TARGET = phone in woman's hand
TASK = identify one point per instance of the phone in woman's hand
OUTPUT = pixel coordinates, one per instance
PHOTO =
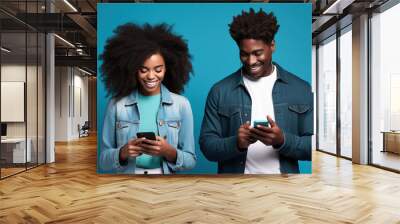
(147, 135)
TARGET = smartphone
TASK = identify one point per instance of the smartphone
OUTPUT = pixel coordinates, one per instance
(261, 122)
(147, 135)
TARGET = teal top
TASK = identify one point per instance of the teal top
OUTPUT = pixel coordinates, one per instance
(148, 108)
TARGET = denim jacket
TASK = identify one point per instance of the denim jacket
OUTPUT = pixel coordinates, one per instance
(228, 106)
(121, 123)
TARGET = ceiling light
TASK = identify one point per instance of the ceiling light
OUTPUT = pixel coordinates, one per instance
(5, 50)
(80, 51)
(84, 71)
(338, 6)
(70, 5)
(331, 7)
(64, 40)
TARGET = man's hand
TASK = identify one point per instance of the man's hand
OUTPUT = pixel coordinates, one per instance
(269, 136)
(244, 138)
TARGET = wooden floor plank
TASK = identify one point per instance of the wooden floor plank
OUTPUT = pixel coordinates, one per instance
(70, 191)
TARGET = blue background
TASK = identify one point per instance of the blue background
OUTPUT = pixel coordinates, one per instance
(215, 54)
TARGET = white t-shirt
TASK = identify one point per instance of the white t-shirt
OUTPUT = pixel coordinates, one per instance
(261, 159)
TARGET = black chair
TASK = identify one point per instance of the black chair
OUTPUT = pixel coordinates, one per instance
(84, 130)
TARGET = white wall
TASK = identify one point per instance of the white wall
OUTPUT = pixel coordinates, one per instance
(13, 72)
(61, 103)
(71, 87)
(16, 73)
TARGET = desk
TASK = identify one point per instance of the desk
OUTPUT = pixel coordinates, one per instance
(391, 141)
(15, 148)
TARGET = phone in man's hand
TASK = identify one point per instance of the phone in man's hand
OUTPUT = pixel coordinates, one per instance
(147, 135)
(262, 123)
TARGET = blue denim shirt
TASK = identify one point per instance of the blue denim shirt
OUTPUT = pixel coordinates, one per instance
(229, 105)
(121, 123)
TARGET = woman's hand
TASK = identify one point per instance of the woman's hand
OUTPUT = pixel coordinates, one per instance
(160, 147)
(131, 149)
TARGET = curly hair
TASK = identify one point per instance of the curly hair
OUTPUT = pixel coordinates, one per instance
(131, 44)
(254, 25)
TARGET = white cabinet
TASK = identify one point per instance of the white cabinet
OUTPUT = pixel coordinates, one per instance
(17, 146)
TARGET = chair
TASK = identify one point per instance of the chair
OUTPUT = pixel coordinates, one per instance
(84, 130)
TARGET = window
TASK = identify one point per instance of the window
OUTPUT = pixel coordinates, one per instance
(385, 89)
(327, 95)
(22, 68)
(346, 92)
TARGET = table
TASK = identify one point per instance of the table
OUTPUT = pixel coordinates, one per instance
(391, 141)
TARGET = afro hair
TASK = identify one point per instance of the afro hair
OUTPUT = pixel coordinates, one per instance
(254, 25)
(131, 44)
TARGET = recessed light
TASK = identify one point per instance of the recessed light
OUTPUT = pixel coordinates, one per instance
(71, 6)
(5, 50)
(64, 40)
(84, 71)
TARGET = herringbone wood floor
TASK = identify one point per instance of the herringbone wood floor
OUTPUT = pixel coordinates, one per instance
(70, 191)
